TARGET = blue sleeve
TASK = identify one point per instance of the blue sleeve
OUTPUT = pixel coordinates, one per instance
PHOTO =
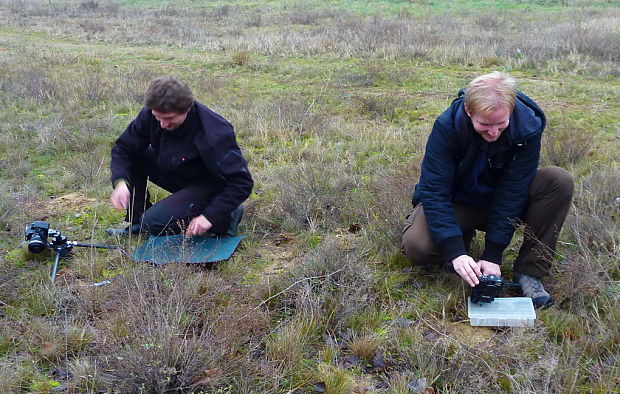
(435, 187)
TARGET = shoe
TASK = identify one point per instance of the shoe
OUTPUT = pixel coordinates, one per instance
(235, 218)
(134, 228)
(533, 289)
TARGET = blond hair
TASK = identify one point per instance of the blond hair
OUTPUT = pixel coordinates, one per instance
(490, 92)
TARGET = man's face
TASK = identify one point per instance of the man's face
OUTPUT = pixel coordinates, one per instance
(170, 120)
(490, 125)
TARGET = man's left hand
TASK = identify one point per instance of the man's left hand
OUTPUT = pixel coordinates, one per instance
(489, 268)
(199, 225)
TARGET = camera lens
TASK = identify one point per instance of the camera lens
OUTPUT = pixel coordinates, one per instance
(36, 244)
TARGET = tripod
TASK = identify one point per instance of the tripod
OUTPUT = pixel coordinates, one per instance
(62, 249)
(39, 237)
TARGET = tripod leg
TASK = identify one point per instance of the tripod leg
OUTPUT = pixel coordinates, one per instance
(55, 266)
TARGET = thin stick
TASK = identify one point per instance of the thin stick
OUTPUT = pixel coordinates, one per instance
(294, 284)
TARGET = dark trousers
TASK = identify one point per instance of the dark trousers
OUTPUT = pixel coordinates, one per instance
(172, 214)
(549, 199)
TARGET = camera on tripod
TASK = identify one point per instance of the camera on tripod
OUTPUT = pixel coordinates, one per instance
(39, 237)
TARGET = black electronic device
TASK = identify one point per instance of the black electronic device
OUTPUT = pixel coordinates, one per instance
(39, 237)
(488, 288)
(36, 234)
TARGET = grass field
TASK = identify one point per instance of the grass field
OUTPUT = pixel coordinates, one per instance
(332, 103)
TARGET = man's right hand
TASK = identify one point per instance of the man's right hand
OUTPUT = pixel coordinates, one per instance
(465, 266)
(120, 196)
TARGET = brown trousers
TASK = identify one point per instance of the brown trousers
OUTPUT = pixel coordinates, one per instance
(549, 199)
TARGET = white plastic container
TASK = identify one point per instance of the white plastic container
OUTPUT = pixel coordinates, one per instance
(502, 312)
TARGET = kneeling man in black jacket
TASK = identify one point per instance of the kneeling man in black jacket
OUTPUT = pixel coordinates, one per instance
(480, 172)
(182, 146)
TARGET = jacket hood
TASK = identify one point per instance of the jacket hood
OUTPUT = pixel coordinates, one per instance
(526, 119)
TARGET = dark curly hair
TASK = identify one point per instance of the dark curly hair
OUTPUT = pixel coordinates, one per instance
(168, 94)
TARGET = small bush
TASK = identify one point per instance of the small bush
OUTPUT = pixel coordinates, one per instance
(377, 107)
(222, 11)
(289, 345)
(254, 19)
(565, 144)
(86, 375)
(391, 203)
(241, 58)
(364, 346)
(168, 327)
(335, 379)
(8, 206)
(302, 18)
(92, 27)
(14, 375)
(89, 5)
(308, 199)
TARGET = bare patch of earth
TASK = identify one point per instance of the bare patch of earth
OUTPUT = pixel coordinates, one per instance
(468, 335)
(72, 202)
(286, 251)
(282, 251)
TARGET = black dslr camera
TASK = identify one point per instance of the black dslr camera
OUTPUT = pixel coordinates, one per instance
(487, 290)
(40, 236)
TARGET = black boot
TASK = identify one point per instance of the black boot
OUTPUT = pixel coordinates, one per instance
(134, 228)
(235, 218)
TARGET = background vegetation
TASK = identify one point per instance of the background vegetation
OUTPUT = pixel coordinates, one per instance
(332, 103)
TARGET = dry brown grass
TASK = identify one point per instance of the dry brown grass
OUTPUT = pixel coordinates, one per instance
(332, 110)
(364, 346)
(173, 326)
(591, 266)
(585, 39)
(566, 144)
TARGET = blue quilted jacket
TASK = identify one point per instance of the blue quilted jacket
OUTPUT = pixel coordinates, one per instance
(459, 166)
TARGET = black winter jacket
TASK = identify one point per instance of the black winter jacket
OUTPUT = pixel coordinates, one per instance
(451, 152)
(208, 152)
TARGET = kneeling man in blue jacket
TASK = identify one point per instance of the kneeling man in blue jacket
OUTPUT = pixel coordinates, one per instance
(182, 146)
(480, 172)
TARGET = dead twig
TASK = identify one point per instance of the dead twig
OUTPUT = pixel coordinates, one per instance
(295, 284)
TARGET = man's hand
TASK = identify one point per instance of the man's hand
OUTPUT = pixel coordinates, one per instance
(465, 266)
(120, 196)
(489, 268)
(198, 225)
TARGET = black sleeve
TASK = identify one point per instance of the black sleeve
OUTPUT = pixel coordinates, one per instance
(129, 144)
(232, 169)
